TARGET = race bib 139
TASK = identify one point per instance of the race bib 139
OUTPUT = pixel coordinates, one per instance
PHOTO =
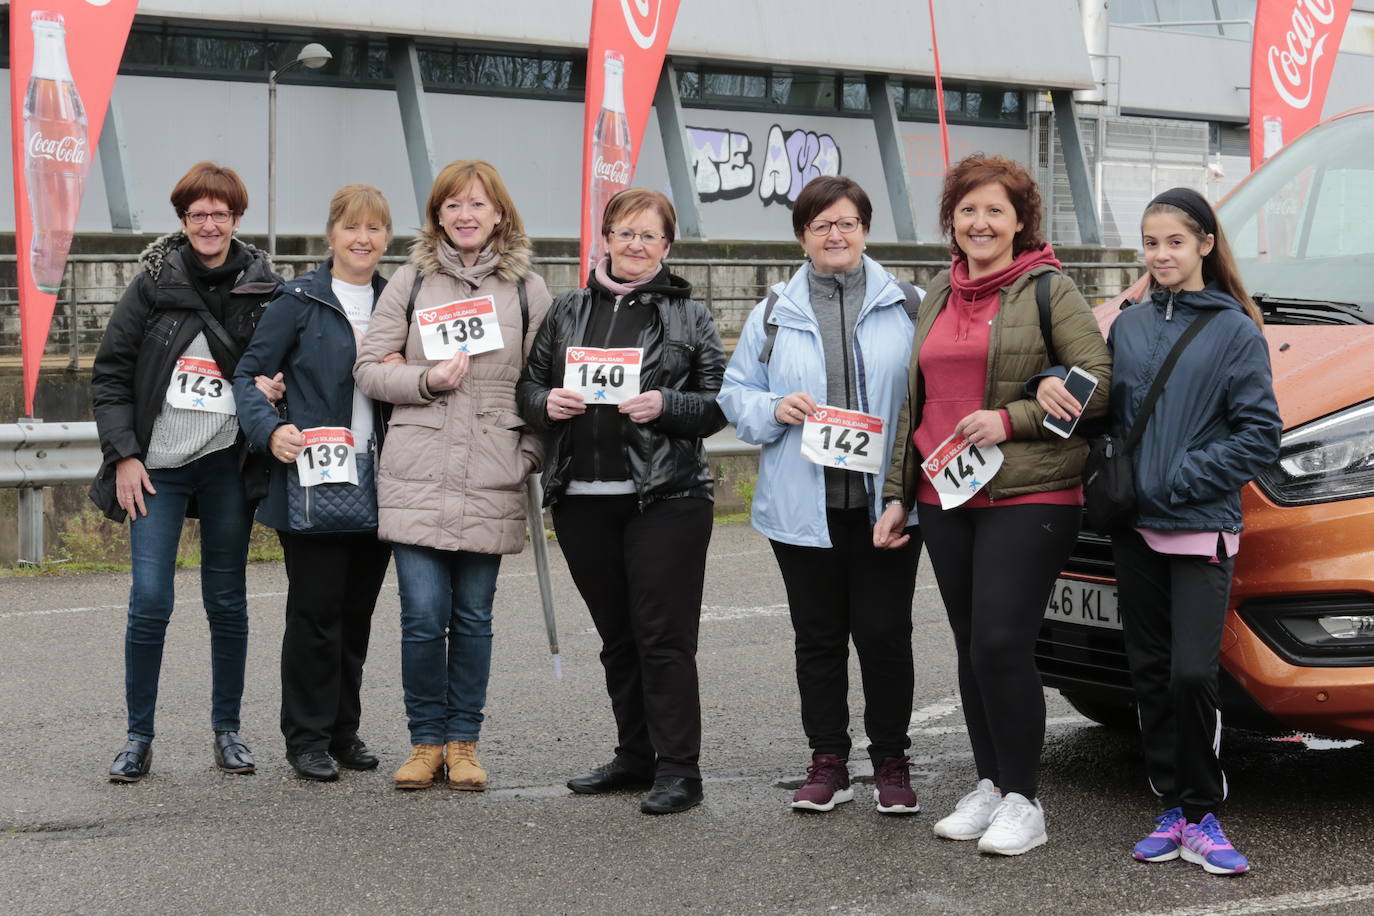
(329, 456)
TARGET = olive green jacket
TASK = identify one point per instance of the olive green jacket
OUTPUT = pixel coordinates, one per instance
(1035, 459)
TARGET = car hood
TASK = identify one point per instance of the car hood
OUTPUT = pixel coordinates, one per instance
(1320, 369)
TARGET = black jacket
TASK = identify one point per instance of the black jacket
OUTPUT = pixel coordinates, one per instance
(154, 322)
(306, 336)
(683, 359)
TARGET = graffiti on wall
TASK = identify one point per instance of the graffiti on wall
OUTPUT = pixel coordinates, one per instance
(723, 169)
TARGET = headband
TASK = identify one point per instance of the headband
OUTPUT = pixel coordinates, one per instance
(1192, 203)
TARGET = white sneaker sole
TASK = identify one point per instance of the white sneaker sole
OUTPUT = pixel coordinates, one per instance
(1041, 840)
(840, 797)
(895, 809)
(946, 833)
(1189, 856)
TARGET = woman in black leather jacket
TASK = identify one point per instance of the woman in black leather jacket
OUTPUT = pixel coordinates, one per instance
(622, 378)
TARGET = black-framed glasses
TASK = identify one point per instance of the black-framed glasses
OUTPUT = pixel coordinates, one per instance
(820, 227)
(629, 235)
(198, 217)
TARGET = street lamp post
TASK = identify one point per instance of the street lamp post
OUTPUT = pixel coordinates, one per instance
(314, 56)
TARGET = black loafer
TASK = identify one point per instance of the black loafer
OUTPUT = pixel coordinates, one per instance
(672, 794)
(132, 763)
(613, 777)
(353, 754)
(232, 755)
(314, 765)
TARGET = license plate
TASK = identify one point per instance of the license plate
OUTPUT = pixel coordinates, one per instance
(1085, 603)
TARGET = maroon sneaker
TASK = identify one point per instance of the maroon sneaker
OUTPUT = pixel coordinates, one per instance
(892, 786)
(827, 784)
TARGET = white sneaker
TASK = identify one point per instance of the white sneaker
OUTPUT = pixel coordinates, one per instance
(971, 815)
(1017, 826)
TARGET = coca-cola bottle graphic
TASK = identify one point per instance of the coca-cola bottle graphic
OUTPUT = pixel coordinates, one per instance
(610, 150)
(56, 151)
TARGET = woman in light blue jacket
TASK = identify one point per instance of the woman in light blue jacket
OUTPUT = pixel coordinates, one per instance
(818, 379)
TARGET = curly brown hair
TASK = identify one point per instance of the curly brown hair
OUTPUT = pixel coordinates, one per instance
(979, 169)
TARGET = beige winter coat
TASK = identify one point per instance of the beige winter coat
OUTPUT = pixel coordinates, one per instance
(452, 471)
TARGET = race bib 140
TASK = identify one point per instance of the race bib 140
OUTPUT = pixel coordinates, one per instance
(603, 376)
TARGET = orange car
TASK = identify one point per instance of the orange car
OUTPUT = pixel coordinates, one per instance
(1297, 653)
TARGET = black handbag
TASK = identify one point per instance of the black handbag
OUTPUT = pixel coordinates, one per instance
(1109, 494)
(333, 508)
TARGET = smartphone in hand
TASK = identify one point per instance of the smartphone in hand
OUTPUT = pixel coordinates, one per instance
(1081, 385)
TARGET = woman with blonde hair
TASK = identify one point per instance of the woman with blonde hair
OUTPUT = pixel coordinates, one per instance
(334, 566)
(450, 486)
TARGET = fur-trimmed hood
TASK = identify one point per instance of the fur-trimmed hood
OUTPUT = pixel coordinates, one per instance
(517, 262)
(161, 248)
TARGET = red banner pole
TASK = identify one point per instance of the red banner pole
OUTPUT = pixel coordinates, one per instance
(939, 89)
(625, 52)
(63, 59)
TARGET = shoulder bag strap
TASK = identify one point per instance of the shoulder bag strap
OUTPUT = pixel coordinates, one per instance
(913, 299)
(524, 307)
(212, 324)
(414, 294)
(1147, 406)
(1042, 302)
(770, 331)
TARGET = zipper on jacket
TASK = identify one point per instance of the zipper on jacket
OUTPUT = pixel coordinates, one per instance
(596, 416)
(307, 505)
(1169, 309)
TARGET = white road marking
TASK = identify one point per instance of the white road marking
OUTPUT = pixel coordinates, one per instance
(47, 612)
(1301, 900)
(959, 729)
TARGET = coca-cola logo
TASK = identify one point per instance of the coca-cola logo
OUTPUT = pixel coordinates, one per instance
(1291, 69)
(617, 171)
(60, 149)
(637, 12)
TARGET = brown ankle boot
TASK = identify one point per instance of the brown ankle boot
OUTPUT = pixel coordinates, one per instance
(464, 771)
(426, 763)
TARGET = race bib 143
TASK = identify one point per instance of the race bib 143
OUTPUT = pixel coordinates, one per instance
(197, 384)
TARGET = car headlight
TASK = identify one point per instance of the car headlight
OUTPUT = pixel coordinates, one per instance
(1316, 630)
(1325, 460)
(1333, 630)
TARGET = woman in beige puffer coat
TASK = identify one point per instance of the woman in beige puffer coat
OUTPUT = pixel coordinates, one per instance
(450, 486)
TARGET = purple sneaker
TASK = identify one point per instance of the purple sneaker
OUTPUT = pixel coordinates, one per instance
(1205, 844)
(1163, 844)
(827, 784)
(892, 786)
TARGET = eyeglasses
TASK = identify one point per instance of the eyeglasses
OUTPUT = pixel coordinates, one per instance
(822, 226)
(198, 217)
(650, 238)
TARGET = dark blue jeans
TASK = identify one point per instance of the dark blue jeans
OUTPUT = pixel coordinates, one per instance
(226, 518)
(446, 598)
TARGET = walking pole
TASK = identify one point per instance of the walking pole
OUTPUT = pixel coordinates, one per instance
(534, 491)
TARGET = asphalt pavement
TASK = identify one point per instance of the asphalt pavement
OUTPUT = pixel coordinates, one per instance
(188, 839)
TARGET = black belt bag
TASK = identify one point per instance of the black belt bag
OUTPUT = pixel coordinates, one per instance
(1109, 494)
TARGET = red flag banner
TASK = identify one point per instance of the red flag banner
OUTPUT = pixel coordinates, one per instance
(1296, 43)
(63, 58)
(629, 39)
(939, 88)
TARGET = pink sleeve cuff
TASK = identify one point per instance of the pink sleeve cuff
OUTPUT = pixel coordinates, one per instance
(1006, 421)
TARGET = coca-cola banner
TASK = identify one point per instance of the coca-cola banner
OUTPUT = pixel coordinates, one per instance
(624, 56)
(1296, 43)
(63, 59)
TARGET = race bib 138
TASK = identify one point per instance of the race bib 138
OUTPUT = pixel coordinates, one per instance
(466, 326)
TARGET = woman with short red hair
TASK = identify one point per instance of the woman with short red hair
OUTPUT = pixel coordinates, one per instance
(995, 553)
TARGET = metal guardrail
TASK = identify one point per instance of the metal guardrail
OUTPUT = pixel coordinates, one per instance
(34, 455)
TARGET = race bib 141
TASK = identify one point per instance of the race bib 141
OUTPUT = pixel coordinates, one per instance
(603, 376)
(958, 469)
(197, 384)
(465, 326)
(836, 438)
(329, 456)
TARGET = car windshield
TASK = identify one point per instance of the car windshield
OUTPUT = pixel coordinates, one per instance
(1302, 226)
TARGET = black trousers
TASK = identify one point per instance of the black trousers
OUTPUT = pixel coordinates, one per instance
(852, 590)
(641, 575)
(334, 581)
(1172, 610)
(996, 567)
